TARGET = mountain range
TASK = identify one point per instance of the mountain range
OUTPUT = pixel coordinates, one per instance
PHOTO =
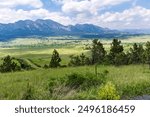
(40, 28)
(137, 31)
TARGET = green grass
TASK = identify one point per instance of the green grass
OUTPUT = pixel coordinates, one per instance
(130, 81)
(41, 56)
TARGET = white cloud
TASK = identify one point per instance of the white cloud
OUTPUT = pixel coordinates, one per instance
(76, 7)
(78, 11)
(137, 17)
(14, 3)
(59, 17)
(91, 6)
(8, 15)
(87, 11)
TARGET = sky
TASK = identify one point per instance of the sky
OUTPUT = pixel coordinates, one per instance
(114, 14)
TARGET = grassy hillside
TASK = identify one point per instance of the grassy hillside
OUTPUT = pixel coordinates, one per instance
(129, 81)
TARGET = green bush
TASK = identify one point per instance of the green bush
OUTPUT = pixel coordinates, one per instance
(63, 87)
(108, 92)
(85, 81)
(75, 80)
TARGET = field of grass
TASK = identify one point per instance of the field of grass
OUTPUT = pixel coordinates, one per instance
(130, 81)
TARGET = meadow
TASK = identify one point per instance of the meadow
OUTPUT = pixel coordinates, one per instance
(127, 82)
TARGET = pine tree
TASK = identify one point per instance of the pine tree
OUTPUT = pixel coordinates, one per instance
(75, 61)
(55, 59)
(147, 51)
(98, 52)
(116, 48)
(79, 60)
(121, 59)
(136, 54)
(82, 56)
(9, 65)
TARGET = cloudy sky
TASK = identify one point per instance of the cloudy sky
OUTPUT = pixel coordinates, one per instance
(115, 14)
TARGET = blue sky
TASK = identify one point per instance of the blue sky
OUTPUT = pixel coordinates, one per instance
(114, 14)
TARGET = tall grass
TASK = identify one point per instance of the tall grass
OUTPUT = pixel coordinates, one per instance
(130, 81)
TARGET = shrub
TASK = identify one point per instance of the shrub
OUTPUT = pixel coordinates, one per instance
(85, 81)
(75, 80)
(63, 87)
(108, 92)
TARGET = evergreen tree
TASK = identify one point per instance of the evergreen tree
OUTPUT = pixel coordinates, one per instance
(121, 59)
(9, 65)
(116, 48)
(88, 61)
(136, 54)
(82, 57)
(79, 60)
(55, 59)
(75, 61)
(147, 52)
(98, 52)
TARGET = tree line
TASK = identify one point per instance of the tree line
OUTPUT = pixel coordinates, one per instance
(117, 56)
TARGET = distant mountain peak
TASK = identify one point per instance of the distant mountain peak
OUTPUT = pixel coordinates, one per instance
(48, 27)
